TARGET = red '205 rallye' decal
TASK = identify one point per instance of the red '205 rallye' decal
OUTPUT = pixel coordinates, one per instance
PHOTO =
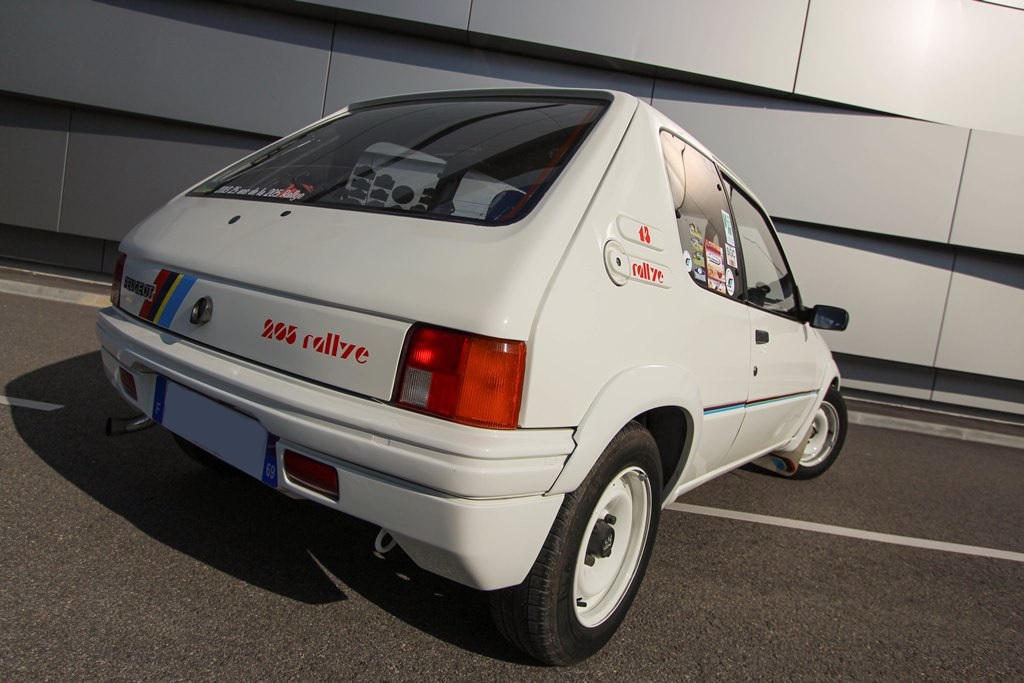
(329, 344)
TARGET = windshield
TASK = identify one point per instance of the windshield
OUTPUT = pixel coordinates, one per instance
(485, 160)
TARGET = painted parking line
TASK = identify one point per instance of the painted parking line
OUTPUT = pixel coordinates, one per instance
(25, 403)
(850, 533)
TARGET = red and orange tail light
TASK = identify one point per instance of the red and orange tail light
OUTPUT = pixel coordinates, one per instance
(461, 377)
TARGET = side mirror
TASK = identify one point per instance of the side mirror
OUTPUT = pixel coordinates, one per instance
(827, 318)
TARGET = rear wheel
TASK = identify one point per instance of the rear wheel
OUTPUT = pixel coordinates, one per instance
(592, 563)
(828, 432)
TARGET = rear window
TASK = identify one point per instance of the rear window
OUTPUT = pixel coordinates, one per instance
(486, 161)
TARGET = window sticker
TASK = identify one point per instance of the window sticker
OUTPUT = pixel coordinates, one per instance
(688, 262)
(696, 244)
(290, 193)
(698, 258)
(730, 282)
(697, 233)
(727, 222)
(700, 274)
(716, 266)
(730, 256)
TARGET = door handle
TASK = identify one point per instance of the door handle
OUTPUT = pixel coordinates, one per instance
(760, 336)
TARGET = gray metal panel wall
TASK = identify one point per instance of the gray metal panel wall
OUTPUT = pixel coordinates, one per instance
(203, 62)
(886, 377)
(954, 61)
(45, 246)
(990, 209)
(712, 37)
(827, 166)
(368, 64)
(449, 13)
(33, 142)
(990, 393)
(894, 291)
(120, 169)
(982, 330)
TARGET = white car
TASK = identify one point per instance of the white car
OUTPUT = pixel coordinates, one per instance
(506, 326)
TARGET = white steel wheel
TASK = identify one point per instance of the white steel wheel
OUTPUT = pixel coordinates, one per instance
(610, 554)
(593, 560)
(828, 432)
(824, 431)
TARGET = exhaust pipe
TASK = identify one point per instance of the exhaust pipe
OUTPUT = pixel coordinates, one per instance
(385, 542)
(118, 425)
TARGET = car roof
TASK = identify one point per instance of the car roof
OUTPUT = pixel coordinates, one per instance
(547, 92)
(621, 104)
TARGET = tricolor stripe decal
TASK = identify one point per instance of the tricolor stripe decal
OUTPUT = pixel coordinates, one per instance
(754, 404)
(170, 290)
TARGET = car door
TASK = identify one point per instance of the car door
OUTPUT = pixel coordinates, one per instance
(784, 371)
(715, 348)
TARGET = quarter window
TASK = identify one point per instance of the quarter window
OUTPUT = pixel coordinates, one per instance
(769, 282)
(702, 216)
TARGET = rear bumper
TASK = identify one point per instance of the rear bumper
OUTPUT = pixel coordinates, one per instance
(463, 502)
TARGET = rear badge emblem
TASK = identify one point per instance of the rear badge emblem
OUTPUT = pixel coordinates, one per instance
(202, 311)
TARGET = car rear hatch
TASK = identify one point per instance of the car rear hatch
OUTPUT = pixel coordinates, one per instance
(316, 255)
(328, 344)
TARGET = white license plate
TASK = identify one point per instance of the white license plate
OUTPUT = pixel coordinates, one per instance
(236, 439)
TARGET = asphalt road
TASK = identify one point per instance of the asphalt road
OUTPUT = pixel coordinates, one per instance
(120, 559)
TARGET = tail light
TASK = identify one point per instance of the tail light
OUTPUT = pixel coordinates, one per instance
(462, 377)
(311, 474)
(128, 383)
(115, 286)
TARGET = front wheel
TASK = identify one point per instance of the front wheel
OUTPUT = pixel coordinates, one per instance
(828, 432)
(592, 563)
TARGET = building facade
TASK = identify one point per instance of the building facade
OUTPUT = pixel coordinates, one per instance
(884, 136)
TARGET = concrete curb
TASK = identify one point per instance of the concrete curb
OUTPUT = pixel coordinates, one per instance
(68, 296)
(935, 429)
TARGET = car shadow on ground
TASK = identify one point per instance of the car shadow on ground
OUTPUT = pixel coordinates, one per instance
(232, 523)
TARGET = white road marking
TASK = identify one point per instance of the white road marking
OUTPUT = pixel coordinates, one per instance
(25, 403)
(850, 533)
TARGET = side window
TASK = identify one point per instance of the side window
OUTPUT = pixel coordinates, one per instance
(769, 282)
(703, 219)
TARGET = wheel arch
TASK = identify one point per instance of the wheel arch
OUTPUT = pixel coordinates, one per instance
(664, 399)
(830, 379)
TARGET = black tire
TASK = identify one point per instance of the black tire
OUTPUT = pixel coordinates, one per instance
(543, 616)
(204, 458)
(828, 432)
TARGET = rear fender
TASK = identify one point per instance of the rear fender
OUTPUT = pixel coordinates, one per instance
(624, 397)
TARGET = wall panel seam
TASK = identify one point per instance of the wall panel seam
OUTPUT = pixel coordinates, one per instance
(942, 320)
(330, 65)
(800, 52)
(64, 171)
(960, 186)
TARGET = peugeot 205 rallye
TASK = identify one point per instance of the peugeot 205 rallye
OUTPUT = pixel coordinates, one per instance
(506, 326)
